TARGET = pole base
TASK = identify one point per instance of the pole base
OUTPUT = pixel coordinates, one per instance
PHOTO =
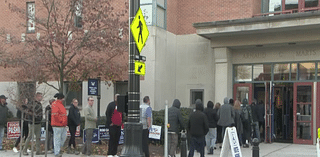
(132, 140)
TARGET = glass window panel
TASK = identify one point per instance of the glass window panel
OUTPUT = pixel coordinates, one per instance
(291, 4)
(242, 92)
(306, 71)
(304, 94)
(281, 71)
(243, 73)
(311, 3)
(262, 72)
(274, 5)
(161, 2)
(145, 1)
(160, 17)
(304, 131)
(294, 71)
(304, 112)
(147, 13)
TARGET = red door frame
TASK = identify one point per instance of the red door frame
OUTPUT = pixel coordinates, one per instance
(295, 140)
(243, 85)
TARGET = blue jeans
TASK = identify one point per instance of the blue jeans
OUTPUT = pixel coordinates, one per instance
(211, 138)
(1, 135)
(256, 130)
(59, 137)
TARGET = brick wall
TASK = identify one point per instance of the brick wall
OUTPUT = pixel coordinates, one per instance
(181, 14)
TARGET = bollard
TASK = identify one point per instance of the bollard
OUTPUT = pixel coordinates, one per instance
(255, 147)
(183, 144)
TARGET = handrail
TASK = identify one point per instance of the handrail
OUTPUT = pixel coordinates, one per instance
(287, 11)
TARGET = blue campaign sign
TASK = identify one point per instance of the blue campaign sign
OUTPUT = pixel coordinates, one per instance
(95, 137)
(103, 132)
(93, 87)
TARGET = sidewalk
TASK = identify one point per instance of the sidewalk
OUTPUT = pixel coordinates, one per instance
(266, 150)
(274, 150)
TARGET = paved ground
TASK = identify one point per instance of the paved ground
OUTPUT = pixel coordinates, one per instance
(266, 150)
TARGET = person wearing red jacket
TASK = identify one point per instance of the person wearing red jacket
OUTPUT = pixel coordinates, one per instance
(59, 123)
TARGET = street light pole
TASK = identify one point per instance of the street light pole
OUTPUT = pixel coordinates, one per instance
(133, 128)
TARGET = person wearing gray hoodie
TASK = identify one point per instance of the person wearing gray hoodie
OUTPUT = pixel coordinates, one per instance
(174, 120)
(226, 115)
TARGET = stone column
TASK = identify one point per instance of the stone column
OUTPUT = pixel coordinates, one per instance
(223, 74)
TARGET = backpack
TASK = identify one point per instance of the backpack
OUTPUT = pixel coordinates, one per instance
(245, 113)
(116, 118)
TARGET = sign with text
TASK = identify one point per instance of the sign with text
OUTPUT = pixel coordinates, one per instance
(104, 134)
(13, 130)
(93, 87)
(232, 143)
(155, 132)
(77, 131)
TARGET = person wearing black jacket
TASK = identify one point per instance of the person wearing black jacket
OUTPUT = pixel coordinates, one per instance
(174, 121)
(24, 125)
(213, 118)
(198, 127)
(73, 122)
(35, 110)
(255, 120)
(49, 129)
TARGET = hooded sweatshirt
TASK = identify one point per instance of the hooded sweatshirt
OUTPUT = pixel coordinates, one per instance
(198, 125)
(174, 117)
(3, 113)
(211, 115)
(226, 114)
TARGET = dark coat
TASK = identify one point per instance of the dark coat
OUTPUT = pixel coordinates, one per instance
(226, 114)
(73, 116)
(260, 112)
(254, 111)
(238, 121)
(212, 116)
(198, 125)
(109, 113)
(35, 109)
(3, 114)
(174, 117)
(48, 110)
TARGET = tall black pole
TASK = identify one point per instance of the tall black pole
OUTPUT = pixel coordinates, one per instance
(98, 97)
(133, 128)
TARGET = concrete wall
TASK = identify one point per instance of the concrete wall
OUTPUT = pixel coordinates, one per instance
(195, 68)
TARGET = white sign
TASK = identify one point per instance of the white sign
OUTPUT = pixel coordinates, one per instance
(231, 142)
(155, 132)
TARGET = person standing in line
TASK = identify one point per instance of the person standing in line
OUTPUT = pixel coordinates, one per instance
(211, 136)
(246, 121)
(59, 122)
(226, 116)
(219, 128)
(146, 120)
(24, 125)
(90, 125)
(174, 120)
(3, 117)
(73, 122)
(238, 117)
(261, 113)
(114, 123)
(50, 147)
(255, 123)
(35, 110)
(198, 127)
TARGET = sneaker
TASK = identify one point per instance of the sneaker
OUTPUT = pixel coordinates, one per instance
(25, 153)
(28, 150)
(15, 150)
(210, 151)
(110, 156)
(50, 152)
(76, 152)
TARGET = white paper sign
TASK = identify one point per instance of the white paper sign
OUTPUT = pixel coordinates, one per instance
(155, 132)
(231, 142)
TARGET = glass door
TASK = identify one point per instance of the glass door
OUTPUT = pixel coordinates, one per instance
(242, 91)
(302, 112)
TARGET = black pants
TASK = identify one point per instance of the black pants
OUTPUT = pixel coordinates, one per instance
(246, 132)
(145, 142)
(72, 140)
(197, 143)
(115, 133)
(24, 134)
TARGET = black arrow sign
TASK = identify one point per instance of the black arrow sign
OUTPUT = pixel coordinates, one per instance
(139, 68)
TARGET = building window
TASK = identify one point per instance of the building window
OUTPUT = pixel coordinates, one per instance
(306, 71)
(155, 12)
(243, 73)
(73, 90)
(121, 87)
(196, 94)
(262, 72)
(31, 17)
(78, 14)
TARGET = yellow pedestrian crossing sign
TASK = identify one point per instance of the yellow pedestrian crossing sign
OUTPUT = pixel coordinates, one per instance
(139, 30)
(139, 68)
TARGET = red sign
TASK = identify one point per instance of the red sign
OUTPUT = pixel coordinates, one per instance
(77, 131)
(13, 130)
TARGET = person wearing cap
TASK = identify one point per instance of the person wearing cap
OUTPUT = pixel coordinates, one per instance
(58, 123)
(3, 116)
(35, 112)
(197, 127)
